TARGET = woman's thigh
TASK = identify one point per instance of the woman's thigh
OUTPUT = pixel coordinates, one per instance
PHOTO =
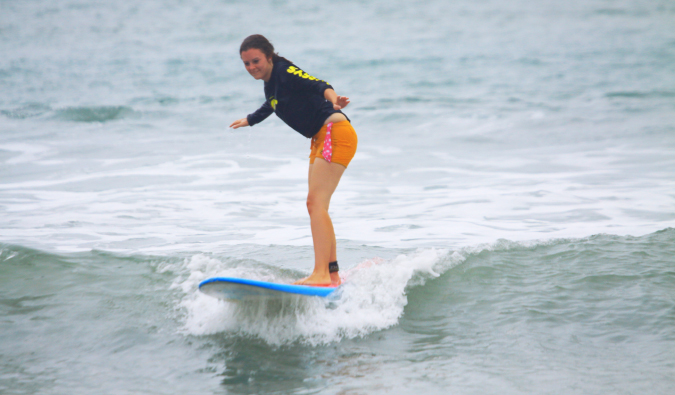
(323, 180)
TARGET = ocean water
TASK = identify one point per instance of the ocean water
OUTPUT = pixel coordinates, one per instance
(506, 227)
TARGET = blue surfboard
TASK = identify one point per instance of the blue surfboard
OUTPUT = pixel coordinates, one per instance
(231, 288)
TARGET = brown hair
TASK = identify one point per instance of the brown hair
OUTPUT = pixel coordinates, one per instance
(258, 41)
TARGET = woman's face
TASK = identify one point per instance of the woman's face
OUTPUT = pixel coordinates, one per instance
(257, 64)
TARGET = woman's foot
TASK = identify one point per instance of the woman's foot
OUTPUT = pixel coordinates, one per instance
(320, 281)
(335, 279)
(315, 280)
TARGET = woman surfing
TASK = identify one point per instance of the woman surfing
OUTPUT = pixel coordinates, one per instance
(312, 108)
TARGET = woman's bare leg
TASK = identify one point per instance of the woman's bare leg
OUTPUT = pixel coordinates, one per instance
(323, 180)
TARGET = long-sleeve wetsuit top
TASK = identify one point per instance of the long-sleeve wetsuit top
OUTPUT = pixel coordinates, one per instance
(296, 97)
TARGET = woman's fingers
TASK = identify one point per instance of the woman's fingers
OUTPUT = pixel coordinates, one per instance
(342, 101)
(239, 123)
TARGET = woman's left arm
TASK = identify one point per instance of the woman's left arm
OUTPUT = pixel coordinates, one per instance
(339, 102)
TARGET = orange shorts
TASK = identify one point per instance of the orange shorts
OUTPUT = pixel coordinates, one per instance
(344, 143)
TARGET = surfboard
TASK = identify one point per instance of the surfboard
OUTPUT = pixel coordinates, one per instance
(231, 288)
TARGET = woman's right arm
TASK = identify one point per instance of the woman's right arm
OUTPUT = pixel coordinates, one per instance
(258, 116)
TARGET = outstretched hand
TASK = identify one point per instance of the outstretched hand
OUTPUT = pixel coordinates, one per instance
(239, 123)
(342, 102)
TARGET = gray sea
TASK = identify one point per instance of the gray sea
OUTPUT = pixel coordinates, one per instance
(506, 227)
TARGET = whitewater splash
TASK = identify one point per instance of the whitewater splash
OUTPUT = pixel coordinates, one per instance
(372, 298)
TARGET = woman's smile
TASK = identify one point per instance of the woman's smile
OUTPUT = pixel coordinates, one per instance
(257, 64)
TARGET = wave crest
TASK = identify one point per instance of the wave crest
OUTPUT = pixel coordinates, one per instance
(372, 298)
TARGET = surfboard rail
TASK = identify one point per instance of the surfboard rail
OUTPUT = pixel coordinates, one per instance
(232, 288)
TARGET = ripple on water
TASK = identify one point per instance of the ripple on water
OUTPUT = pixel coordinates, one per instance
(95, 113)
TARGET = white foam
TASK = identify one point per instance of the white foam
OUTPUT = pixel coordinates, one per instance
(204, 201)
(27, 153)
(372, 298)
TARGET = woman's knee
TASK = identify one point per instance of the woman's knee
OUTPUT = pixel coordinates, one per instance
(315, 205)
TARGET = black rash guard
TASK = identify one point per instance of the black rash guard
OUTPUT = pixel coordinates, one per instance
(297, 98)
